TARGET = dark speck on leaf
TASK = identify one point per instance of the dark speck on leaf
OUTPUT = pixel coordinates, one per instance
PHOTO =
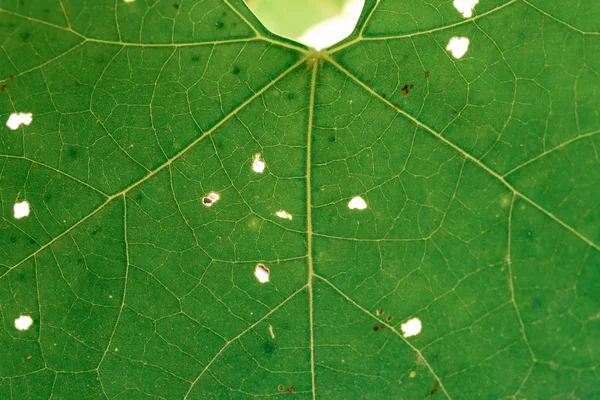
(269, 347)
(3, 88)
(73, 152)
(378, 327)
(406, 89)
(10, 78)
(426, 74)
(77, 84)
(25, 35)
(176, 6)
(235, 70)
(383, 96)
(290, 389)
(96, 231)
(280, 388)
(434, 389)
(389, 318)
(219, 25)
(368, 81)
(32, 241)
(291, 96)
(396, 105)
(139, 197)
(331, 138)
(195, 58)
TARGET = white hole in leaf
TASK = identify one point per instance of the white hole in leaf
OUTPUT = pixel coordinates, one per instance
(128, 1)
(210, 199)
(23, 322)
(258, 165)
(284, 214)
(357, 203)
(465, 7)
(21, 210)
(262, 273)
(15, 120)
(458, 46)
(333, 30)
(411, 327)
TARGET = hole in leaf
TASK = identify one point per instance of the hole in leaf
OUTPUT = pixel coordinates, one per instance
(284, 214)
(458, 46)
(258, 165)
(210, 199)
(357, 203)
(412, 327)
(262, 273)
(465, 7)
(23, 323)
(314, 23)
(15, 120)
(380, 312)
(21, 210)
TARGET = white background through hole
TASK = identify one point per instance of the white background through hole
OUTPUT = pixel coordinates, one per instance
(21, 210)
(357, 203)
(258, 165)
(333, 30)
(262, 273)
(23, 322)
(458, 46)
(411, 327)
(284, 214)
(465, 7)
(15, 120)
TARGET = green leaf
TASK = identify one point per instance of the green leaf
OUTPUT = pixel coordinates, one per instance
(480, 177)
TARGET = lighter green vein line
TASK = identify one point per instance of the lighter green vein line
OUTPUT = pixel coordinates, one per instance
(552, 150)
(475, 160)
(559, 20)
(258, 37)
(361, 38)
(58, 171)
(239, 335)
(408, 343)
(160, 168)
(309, 239)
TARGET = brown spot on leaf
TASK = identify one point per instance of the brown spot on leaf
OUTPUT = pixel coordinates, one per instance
(426, 74)
(3, 88)
(380, 311)
(434, 389)
(176, 6)
(290, 390)
(406, 89)
(280, 388)
(378, 327)
(389, 318)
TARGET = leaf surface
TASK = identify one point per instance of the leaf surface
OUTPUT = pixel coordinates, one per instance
(480, 178)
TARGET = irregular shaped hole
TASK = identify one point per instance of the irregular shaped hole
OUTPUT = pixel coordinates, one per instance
(412, 327)
(458, 46)
(314, 23)
(262, 273)
(15, 120)
(23, 323)
(465, 7)
(21, 210)
(210, 199)
(258, 165)
(357, 203)
(284, 214)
